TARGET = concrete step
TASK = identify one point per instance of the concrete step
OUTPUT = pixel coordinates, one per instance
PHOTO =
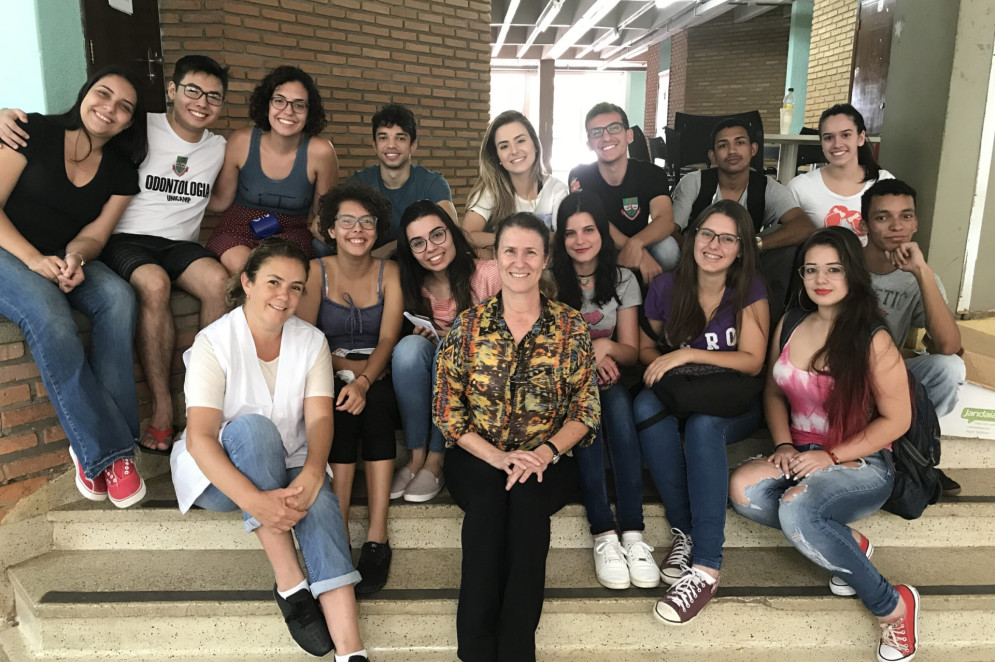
(772, 605)
(964, 521)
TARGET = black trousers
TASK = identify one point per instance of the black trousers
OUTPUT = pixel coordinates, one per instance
(505, 543)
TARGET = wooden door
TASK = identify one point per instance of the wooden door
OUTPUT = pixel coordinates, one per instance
(131, 40)
(871, 56)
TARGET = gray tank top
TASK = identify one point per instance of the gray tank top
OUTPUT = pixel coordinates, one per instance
(291, 195)
(347, 326)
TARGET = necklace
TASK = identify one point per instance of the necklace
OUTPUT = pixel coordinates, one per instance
(585, 280)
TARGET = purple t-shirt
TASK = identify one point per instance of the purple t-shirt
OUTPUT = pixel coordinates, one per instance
(720, 334)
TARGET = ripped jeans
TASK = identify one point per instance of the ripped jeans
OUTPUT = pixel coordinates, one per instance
(815, 521)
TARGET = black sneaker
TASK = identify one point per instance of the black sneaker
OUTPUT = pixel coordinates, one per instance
(374, 566)
(305, 622)
(949, 486)
(358, 658)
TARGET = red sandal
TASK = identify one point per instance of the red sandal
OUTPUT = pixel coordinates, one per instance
(159, 437)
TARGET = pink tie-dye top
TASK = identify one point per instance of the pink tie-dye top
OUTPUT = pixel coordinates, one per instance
(807, 393)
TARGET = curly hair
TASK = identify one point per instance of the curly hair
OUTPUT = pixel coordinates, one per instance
(394, 114)
(260, 99)
(371, 199)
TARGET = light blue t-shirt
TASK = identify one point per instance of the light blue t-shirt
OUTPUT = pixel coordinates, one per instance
(423, 184)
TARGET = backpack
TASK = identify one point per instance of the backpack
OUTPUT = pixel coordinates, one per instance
(756, 196)
(915, 454)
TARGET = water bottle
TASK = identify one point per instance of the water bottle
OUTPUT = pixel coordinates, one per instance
(788, 111)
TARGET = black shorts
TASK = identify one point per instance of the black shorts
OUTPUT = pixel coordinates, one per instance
(372, 430)
(126, 252)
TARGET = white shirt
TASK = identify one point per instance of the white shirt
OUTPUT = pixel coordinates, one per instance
(175, 182)
(826, 208)
(544, 206)
(246, 390)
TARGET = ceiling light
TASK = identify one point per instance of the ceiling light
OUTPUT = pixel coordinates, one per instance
(595, 13)
(549, 13)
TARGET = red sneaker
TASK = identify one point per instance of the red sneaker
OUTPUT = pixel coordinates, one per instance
(124, 485)
(900, 638)
(94, 490)
(837, 584)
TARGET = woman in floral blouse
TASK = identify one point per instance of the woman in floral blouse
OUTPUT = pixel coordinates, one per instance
(516, 389)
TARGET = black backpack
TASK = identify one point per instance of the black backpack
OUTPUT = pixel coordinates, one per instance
(915, 454)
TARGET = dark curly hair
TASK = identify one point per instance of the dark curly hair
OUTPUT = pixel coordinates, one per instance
(259, 101)
(371, 199)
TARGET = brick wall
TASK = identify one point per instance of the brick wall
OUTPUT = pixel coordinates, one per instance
(725, 67)
(33, 445)
(678, 74)
(431, 55)
(652, 59)
(830, 62)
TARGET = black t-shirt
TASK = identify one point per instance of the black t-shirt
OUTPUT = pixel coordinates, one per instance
(45, 207)
(627, 205)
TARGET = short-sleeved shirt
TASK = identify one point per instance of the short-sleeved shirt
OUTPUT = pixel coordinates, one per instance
(484, 283)
(175, 182)
(601, 320)
(205, 381)
(516, 395)
(720, 333)
(628, 204)
(422, 184)
(777, 201)
(48, 209)
(901, 300)
(545, 205)
(827, 209)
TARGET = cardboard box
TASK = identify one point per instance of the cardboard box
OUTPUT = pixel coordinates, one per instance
(974, 415)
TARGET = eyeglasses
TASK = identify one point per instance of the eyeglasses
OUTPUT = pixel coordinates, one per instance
(725, 240)
(191, 91)
(368, 222)
(831, 271)
(436, 236)
(298, 105)
(613, 128)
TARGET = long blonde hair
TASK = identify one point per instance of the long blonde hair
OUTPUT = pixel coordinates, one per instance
(494, 179)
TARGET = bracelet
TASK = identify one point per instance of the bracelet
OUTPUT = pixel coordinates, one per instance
(786, 443)
(833, 457)
(81, 260)
(366, 378)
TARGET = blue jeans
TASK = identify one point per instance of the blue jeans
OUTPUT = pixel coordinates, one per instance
(941, 375)
(95, 400)
(617, 437)
(815, 521)
(412, 369)
(254, 446)
(692, 476)
(666, 252)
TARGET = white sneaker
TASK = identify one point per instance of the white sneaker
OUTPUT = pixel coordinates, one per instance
(609, 564)
(642, 568)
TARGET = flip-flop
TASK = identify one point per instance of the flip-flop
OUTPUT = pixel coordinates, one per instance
(160, 437)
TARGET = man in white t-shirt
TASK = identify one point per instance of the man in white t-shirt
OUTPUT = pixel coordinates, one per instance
(155, 242)
(911, 295)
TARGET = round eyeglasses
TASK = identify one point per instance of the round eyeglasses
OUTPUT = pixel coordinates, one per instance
(436, 236)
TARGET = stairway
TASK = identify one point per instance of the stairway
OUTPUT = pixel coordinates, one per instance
(149, 584)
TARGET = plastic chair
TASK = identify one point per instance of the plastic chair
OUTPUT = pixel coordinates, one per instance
(638, 148)
(695, 133)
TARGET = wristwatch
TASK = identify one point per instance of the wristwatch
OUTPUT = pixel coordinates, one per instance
(556, 452)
